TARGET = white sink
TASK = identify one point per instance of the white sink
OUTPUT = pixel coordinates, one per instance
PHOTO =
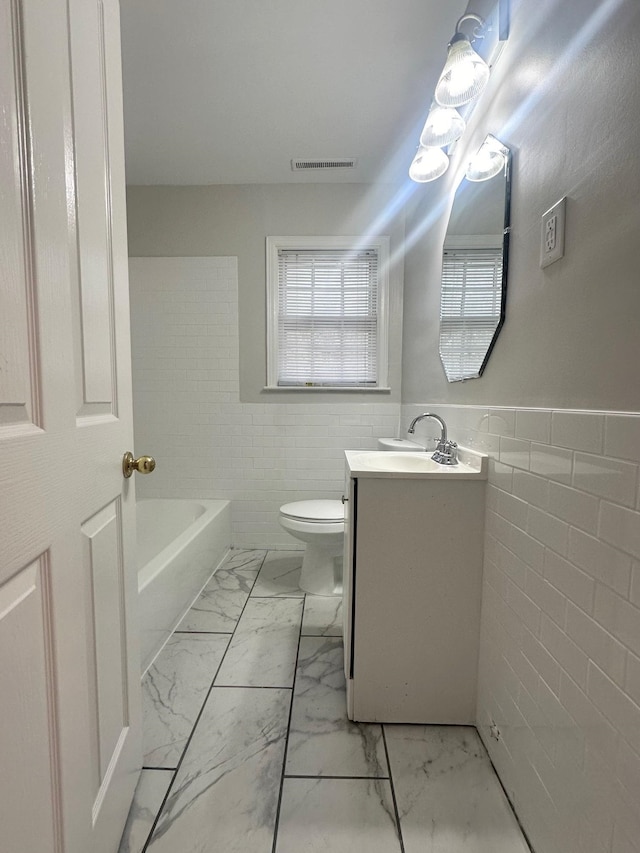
(386, 461)
(391, 464)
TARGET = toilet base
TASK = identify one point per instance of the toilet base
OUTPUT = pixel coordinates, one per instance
(321, 572)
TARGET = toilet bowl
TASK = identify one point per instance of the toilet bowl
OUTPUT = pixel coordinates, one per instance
(320, 524)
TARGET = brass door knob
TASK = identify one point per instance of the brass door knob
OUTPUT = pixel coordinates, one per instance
(143, 464)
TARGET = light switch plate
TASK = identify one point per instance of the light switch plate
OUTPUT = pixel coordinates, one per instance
(552, 237)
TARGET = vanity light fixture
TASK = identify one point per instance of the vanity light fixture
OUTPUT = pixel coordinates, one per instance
(489, 161)
(465, 74)
(443, 126)
(428, 164)
(463, 78)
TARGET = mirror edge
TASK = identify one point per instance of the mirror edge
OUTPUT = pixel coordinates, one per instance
(505, 259)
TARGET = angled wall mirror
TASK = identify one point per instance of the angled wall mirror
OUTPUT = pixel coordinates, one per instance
(474, 264)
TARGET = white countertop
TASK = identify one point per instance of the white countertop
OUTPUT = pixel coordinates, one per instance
(374, 463)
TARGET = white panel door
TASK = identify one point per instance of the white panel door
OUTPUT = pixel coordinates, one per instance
(70, 745)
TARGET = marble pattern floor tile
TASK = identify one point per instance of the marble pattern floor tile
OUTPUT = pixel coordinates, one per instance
(449, 798)
(337, 816)
(225, 796)
(322, 740)
(244, 559)
(150, 792)
(322, 616)
(173, 691)
(262, 652)
(221, 601)
(280, 575)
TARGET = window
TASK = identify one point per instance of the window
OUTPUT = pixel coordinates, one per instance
(470, 309)
(327, 303)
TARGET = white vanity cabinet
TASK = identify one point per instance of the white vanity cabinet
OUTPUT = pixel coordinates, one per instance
(412, 588)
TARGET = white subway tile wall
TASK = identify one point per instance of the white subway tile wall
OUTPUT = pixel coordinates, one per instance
(560, 644)
(188, 414)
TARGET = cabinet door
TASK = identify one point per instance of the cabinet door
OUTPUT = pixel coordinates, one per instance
(417, 584)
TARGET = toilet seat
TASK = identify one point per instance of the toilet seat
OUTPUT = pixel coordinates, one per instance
(318, 512)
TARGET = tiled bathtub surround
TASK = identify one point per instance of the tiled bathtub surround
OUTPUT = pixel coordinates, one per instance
(188, 414)
(560, 644)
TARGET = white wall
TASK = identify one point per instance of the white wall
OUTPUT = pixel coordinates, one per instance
(188, 413)
(560, 651)
(235, 220)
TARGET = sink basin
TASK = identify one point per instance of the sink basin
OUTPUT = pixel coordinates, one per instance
(382, 463)
(386, 461)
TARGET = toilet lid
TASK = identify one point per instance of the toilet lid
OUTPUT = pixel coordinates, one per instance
(314, 510)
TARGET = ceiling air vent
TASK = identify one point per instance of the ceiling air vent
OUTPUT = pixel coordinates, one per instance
(301, 165)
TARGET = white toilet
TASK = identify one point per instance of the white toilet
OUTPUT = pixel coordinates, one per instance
(321, 525)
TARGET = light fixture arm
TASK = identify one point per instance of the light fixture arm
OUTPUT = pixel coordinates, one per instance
(476, 32)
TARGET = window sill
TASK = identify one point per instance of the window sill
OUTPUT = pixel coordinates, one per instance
(332, 388)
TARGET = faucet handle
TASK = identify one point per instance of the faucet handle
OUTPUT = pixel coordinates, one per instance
(446, 453)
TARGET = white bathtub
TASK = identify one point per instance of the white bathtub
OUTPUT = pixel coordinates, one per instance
(180, 544)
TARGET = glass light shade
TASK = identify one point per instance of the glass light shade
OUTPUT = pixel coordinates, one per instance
(428, 164)
(464, 75)
(488, 162)
(443, 126)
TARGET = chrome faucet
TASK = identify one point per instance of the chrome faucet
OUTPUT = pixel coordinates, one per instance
(446, 451)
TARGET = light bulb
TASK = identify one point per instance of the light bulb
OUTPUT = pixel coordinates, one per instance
(443, 126)
(464, 75)
(488, 162)
(428, 164)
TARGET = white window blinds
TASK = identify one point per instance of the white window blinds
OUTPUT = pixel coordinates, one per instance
(469, 309)
(327, 317)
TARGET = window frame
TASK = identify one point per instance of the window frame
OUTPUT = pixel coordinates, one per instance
(340, 243)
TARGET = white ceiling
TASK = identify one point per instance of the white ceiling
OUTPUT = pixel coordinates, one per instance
(229, 91)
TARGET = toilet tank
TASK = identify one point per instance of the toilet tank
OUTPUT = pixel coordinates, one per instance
(402, 445)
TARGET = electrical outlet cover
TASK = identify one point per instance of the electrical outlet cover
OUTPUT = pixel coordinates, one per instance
(552, 242)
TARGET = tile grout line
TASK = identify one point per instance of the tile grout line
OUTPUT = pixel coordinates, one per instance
(242, 567)
(320, 778)
(393, 790)
(276, 825)
(164, 769)
(504, 790)
(218, 633)
(279, 597)
(253, 686)
(197, 720)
